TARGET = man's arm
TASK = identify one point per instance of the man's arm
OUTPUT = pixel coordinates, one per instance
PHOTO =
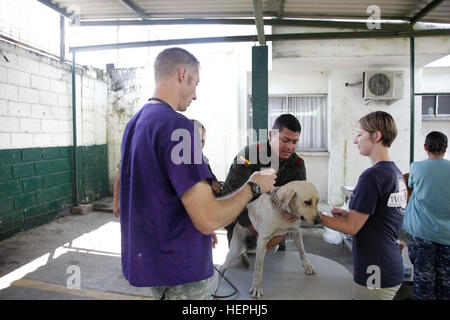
(209, 214)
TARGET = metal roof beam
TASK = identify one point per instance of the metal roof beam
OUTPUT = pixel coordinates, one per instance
(336, 24)
(422, 13)
(270, 37)
(136, 9)
(156, 43)
(280, 8)
(257, 8)
(58, 9)
(103, 23)
(272, 22)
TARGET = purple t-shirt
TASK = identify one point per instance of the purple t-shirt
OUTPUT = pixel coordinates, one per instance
(160, 245)
(381, 192)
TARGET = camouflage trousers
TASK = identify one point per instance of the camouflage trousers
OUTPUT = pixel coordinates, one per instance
(200, 290)
(431, 262)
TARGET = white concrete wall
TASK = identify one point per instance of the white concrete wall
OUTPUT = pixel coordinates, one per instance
(36, 102)
(434, 80)
(324, 66)
(290, 76)
(221, 104)
(346, 108)
(316, 164)
(129, 90)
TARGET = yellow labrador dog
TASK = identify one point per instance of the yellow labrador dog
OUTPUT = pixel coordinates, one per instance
(272, 215)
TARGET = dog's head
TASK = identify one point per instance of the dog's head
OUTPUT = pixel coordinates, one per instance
(302, 198)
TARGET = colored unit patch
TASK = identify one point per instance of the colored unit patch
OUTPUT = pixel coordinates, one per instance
(244, 161)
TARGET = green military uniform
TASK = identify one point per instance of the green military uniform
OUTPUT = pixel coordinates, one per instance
(244, 166)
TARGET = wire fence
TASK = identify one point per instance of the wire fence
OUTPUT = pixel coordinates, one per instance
(31, 23)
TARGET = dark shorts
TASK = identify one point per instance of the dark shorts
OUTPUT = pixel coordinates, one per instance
(431, 262)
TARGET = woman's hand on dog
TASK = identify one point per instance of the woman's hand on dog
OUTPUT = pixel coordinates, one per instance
(336, 212)
(274, 242)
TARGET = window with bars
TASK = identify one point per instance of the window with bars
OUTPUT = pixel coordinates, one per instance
(436, 105)
(311, 112)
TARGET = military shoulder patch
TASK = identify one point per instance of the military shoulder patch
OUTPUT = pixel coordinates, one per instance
(244, 161)
(299, 161)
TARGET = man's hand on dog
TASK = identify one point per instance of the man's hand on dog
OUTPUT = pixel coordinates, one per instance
(264, 179)
(274, 242)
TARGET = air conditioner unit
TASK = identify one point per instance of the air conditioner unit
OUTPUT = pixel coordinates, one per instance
(383, 85)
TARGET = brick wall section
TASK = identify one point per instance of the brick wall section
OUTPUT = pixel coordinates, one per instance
(33, 182)
(36, 134)
(36, 101)
(92, 173)
(36, 183)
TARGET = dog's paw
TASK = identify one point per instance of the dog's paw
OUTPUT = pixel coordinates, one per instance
(256, 291)
(309, 269)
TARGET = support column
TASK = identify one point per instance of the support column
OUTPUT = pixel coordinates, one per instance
(260, 85)
(62, 39)
(412, 98)
(74, 128)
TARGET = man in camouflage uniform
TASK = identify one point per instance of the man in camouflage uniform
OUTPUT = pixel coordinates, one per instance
(279, 153)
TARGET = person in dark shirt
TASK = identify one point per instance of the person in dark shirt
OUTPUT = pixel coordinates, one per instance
(376, 213)
(216, 185)
(167, 209)
(427, 221)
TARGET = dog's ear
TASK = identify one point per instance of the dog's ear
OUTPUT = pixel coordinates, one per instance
(287, 197)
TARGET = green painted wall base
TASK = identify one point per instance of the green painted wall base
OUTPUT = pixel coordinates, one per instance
(37, 183)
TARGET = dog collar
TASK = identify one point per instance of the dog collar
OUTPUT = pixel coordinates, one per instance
(285, 214)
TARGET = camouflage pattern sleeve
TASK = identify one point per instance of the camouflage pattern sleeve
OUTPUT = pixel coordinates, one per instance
(240, 172)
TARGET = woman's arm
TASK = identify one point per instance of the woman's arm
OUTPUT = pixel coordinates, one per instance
(348, 222)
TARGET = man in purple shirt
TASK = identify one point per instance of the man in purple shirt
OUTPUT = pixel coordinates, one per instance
(167, 207)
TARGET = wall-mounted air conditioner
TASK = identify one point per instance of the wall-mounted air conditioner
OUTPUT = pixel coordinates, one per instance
(381, 85)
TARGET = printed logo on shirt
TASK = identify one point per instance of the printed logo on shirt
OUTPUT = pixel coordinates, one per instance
(398, 200)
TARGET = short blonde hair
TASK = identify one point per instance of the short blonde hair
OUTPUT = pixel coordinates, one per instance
(170, 59)
(383, 122)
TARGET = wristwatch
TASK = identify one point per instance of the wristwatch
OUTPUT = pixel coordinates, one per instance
(255, 189)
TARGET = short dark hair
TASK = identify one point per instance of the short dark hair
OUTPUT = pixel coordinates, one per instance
(436, 141)
(383, 122)
(169, 59)
(287, 121)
